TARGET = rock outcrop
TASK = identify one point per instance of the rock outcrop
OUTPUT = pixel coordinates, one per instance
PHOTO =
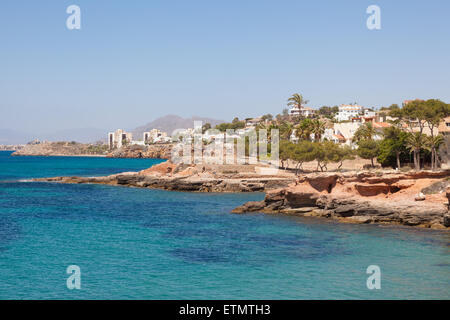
(356, 197)
(61, 149)
(155, 151)
(362, 198)
(193, 178)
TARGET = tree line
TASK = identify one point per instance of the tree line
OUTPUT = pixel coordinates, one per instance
(406, 137)
(403, 142)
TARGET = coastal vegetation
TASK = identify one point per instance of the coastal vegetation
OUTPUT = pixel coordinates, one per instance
(409, 136)
(392, 149)
(413, 119)
(322, 152)
(97, 148)
(328, 112)
(234, 125)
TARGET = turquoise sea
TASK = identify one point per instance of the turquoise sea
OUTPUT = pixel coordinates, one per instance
(149, 244)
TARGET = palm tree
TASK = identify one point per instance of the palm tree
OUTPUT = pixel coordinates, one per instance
(304, 129)
(415, 142)
(268, 127)
(397, 137)
(365, 132)
(296, 100)
(432, 144)
(286, 129)
(318, 128)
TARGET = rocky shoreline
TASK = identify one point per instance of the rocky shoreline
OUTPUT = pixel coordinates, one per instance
(74, 149)
(418, 199)
(168, 176)
(62, 149)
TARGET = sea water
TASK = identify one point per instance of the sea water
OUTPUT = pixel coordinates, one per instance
(132, 243)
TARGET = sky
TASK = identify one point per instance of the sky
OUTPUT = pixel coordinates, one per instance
(134, 61)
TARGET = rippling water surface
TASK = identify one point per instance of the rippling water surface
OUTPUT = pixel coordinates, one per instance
(150, 244)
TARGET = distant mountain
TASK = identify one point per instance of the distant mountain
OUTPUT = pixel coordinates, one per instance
(14, 137)
(89, 135)
(83, 135)
(171, 122)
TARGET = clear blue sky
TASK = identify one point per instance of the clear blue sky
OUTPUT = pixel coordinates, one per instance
(133, 61)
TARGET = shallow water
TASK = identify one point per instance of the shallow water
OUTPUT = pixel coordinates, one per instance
(150, 244)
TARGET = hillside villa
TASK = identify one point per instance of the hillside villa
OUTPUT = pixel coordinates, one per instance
(347, 112)
(302, 111)
(444, 127)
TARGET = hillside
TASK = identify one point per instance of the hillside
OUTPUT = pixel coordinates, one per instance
(61, 149)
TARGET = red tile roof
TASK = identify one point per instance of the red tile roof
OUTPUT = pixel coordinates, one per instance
(381, 125)
(340, 137)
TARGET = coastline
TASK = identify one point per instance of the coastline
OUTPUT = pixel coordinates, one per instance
(195, 227)
(60, 149)
(362, 197)
(168, 176)
(59, 155)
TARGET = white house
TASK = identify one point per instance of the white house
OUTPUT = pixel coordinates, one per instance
(346, 130)
(333, 135)
(348, 111)
(253, 122)
(369, 114)
(302, 111)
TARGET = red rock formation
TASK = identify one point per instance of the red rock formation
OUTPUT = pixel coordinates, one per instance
(362, 198)
(159, 169)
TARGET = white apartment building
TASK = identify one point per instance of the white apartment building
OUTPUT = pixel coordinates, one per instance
(119, 138)
(348, 111)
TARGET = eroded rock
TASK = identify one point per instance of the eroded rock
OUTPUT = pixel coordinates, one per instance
(364, 198)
